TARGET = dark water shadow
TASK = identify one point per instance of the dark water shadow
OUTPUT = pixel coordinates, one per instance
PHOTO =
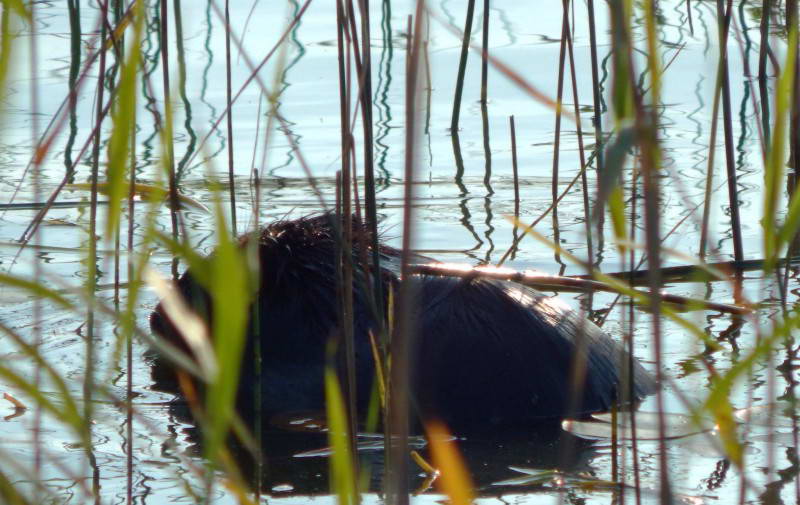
(296, 461)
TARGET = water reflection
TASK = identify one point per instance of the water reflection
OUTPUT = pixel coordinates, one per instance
(382, 99)
(299, 51)
(187, 107)
(204, 89)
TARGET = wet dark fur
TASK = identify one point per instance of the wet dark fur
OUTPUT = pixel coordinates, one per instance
(486, 353)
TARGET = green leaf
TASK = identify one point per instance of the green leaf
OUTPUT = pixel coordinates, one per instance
(230, 293)
(35, 289)
(717, 402)
(123, 119)
(341, 462)
(616, 155)
(12, 9)
(9, 492)
(199, 265)
(18, 7)
(147, 192)
(774, 238)
(616, 208)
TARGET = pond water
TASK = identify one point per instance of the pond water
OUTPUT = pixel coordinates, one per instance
(457, 219)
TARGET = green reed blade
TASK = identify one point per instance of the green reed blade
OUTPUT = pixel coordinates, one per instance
(230, 294)
(341, 462)
(775, 239)
(123, 119)
(35, 288)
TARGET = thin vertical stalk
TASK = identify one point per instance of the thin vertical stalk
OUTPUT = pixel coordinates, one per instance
(345, 224)
(745, 50)
(343, 358)
(514, 166)
(116, 269)
(169, 148)
(73, 7)
(370, 203)
(258, 351)
(487, 151)
(712, 149)
(130, 276)
(485, 52)
(119, 51)
(91, 263)
(228, 95)
(129, 336)
(794, 118)
(724, 18)
(363, 69)
(597, 118)
(615, 447)
(578, 365)
(37, 190)
(119, 48)
(255, 196)
(562, 55)
(794, 166)
(629, 334)
(763, 86)
(399, 406)
(428, 84)
(462, 68)
(647, 126)
(347, 319)
(597, 106)
(515, 229)
(365, 80)
(581, 153)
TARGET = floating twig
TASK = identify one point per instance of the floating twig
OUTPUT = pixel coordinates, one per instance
(557, 282)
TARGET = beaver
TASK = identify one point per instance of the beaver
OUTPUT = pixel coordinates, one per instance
(485, 353)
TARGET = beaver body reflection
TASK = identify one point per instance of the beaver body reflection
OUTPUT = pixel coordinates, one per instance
(486, 353)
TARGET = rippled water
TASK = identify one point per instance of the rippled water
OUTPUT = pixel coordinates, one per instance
(458, 219)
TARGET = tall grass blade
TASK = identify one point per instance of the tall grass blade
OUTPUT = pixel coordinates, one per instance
(718, 401)
(18, 7)
(775, 238)
(341, 462)
(167, 137)
(454, 479)
(228, 90)
(12, 9)
(462, 68)
(616, 155)
(193, 328)
(397, 482)
(123, 123)
(9, 493)
(724, 19)
(230, 289)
